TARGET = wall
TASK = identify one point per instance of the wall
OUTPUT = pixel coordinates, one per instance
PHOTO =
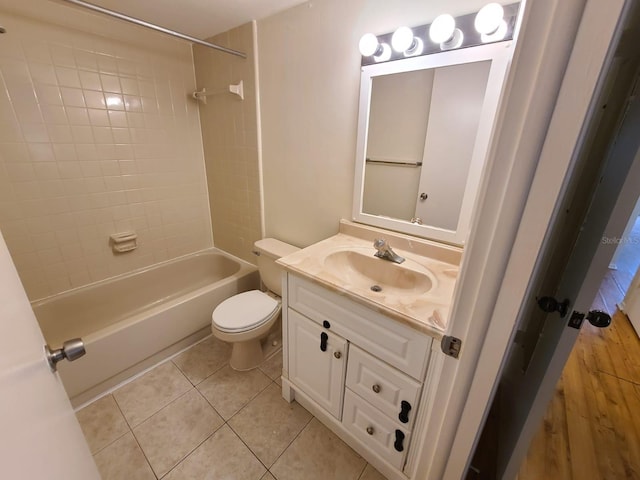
(97, 136)
(230, 137)
(309, 83)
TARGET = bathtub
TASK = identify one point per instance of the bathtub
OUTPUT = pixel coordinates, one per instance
(130, 322)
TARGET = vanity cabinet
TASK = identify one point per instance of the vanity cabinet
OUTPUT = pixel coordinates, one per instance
(317, 362)
(364, 370)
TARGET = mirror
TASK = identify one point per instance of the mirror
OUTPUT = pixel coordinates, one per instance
(423, 134)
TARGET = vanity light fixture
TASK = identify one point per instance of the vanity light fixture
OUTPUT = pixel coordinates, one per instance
(492, 23)
(489, 19)
(442, 29)
(369, 46)
(496, 36)
(403, 41)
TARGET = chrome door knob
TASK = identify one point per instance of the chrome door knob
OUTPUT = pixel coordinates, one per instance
(376, 388)
(370, 430)
(337, 354)
(71, 350)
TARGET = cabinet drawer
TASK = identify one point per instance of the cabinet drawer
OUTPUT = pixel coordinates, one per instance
(392, 392)
(389, 340)
(319, 372)
(375, 430)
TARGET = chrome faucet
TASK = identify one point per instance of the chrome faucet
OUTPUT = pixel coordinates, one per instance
(384, 251)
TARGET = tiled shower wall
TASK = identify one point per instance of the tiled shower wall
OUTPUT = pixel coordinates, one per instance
(97, 136)
(230, 137)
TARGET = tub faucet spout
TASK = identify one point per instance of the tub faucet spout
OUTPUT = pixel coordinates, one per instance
(385, 252)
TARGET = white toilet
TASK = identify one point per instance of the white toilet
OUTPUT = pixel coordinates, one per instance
(246, 318)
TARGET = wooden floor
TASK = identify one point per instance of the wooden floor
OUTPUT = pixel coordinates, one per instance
(591, 430)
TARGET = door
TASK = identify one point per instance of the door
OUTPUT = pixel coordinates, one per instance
(317, 362)
(601, 199)
(41, 437)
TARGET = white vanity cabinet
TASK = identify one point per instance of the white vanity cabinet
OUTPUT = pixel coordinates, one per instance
(359, 371)
(317, 362)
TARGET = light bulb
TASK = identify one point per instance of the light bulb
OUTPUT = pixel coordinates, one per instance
(496, 36)
(454, 42)
(385, 53)
(488, 19)
(368, 45)
(442, 28)
(402, 39)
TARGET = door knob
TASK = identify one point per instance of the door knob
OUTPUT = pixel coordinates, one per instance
(71, 350)
(423, 196)
(550, 305)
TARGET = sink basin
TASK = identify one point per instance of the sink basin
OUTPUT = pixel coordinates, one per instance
(364, 271)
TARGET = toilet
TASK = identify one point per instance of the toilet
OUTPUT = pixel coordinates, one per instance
(245, 319)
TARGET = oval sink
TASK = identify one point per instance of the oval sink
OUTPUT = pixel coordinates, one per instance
(364, 271)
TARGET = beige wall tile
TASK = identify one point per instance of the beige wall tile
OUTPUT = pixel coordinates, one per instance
(106, 113)
(229, 132)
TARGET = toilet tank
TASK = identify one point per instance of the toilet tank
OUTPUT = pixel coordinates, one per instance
(269, 250)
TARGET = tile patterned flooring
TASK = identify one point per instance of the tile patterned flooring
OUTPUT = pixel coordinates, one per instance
(193, 417)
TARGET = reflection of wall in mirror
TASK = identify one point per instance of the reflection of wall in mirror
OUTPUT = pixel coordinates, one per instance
(398, 116)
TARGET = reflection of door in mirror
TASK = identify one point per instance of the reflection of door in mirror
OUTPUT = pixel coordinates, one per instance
(422, 131)
(454, 115)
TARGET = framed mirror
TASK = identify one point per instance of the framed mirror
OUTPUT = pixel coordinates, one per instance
(424, 129)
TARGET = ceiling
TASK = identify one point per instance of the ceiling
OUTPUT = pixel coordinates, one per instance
(198, 18)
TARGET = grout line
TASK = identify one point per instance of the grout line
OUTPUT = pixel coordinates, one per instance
(297, 435)
(135, 438)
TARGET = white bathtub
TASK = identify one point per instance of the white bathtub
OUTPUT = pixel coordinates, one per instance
(131, 322)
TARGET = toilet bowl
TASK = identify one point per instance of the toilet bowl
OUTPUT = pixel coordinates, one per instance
(247, 318)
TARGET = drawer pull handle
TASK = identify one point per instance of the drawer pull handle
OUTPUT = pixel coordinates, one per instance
(337, 354)
(376, 388)
(323, 341)
(398, 444)
(371, 431)
(404, 411)
(326, 324)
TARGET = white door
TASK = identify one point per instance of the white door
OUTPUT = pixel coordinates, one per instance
(317, 362)
(575, 268)
(39, 434)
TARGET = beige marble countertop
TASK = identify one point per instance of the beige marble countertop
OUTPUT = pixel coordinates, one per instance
(426, 312)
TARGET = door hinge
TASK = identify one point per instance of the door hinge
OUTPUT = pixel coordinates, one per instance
(451, 346)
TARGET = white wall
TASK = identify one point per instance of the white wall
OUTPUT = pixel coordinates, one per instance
(309, 81)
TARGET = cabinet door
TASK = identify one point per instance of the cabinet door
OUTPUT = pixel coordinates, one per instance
(317, 362)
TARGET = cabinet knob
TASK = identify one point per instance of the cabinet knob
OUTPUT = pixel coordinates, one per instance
(370, 430)
(337, 354)
(376, 388)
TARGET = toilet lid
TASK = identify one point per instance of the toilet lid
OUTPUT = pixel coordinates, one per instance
(244, 311)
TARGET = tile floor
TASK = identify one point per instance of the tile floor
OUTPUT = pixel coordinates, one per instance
(194, 418)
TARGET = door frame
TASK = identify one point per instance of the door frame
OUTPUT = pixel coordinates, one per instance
(562, 47)
(592, 53)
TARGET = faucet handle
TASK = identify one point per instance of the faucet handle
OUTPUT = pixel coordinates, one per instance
(379, 243)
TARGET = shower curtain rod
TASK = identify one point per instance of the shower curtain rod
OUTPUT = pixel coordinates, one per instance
(157, 28)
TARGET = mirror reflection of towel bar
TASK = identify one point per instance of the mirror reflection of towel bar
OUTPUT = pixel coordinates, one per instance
(394, 164)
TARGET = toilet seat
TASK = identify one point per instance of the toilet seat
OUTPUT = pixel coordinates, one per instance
(244, 311)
